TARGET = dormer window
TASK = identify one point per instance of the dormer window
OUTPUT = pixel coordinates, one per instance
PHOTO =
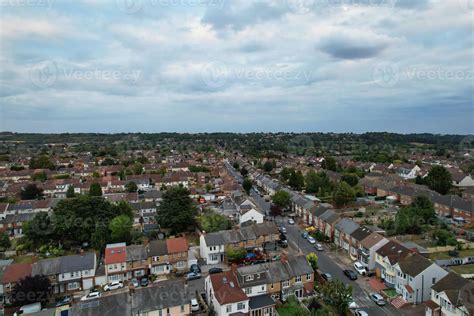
(249, 278)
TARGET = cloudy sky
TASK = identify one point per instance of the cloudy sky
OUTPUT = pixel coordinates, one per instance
(237, 65)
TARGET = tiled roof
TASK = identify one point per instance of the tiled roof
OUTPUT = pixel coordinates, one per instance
(15, 272)
(175, 245)
(226, 288)
(115, 253)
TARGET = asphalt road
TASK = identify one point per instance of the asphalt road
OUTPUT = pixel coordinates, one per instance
(328, 265)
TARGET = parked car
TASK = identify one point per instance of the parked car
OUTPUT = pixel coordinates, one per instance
(378, 299)
(283, 237)
(353, 305)
(29, 309)
(66, 300)
(360, 268)
(327, 277)
(193, 276)
(360, 312)
(319, 247)
(305, 235)
(115, 285)
(215, 270)
(194, 305)
(311, 240)
(350, 274)
(92, 295)
(283, 243)
(195, 268)
(134, 283)
(291, 221)
(283, 229)
(144, 282)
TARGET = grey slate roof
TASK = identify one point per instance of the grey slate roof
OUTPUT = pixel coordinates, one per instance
(261, 301)
(64, 264)
(136, 253)
(157, 248)
(347, 225)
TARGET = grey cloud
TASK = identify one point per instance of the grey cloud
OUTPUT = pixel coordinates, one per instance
(351, 47)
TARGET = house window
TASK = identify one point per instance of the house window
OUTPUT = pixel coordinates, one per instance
(182, 308)
(308, 277)
(240, 306)
(214, 258)
(286, 283)
(249, 278)
(229, 308)
(298, 278)
(248, 290)
(433, 281)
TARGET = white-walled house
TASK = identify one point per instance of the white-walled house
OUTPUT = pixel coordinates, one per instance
(415, 275)
(447, 298)
(367, 248)
(225, 295)
(68, 273)
(116, 262)
(212, 248)
(252, 215)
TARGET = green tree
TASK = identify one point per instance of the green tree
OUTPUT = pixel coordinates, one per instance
(329, 163)
(281, 199)
(343, 194)
(439, 179)
(95, 189)
(338, 296)
(296, 180)
(234, 255)
(211, 222)
(137, 168)
(41, 162)
(411, 219)
(70, 192)
(176, 210)
(244, 172)
(313, 260)
(31, 192)
(4, 241)
(285, 174)
(268, 166)
(40, 176)
(31, 290)
(121, 229)
(351, 178)
(292, 307)
(131, 187)
(236, 165)
(247, 185)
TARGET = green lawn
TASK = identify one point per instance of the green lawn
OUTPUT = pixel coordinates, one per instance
(464, 269)
(22, 259)
(390, 292)
(445, 255)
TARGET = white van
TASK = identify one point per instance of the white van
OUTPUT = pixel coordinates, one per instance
(29, 309)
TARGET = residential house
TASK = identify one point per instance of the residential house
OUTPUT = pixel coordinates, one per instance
(342, 233)
(137, 261)
(415, 275)
(116, 262)
(212, 246)
(368, 247)
(451, 296)
(68, 273)
(158, 253)
(224, 294)
(355, 240)
(386, 257)
(177, 253)
(13, 274)
(327, 223)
